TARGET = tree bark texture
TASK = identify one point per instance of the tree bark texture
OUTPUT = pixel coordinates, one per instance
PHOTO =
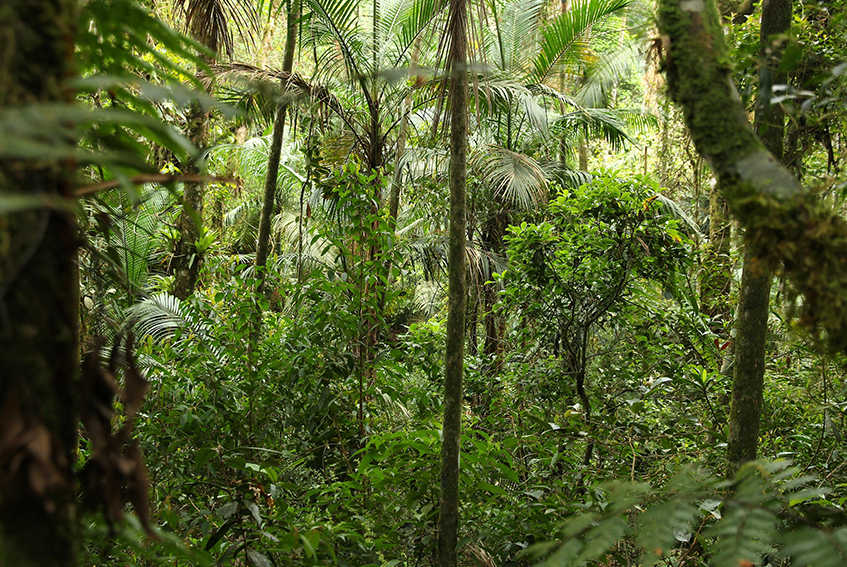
(187, 259)
(448, 519)
(494, 323)
(754, 295)
(38, 305)
(786, 225)
(748, 379)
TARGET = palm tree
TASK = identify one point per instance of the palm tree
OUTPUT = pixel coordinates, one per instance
(209, 22)
(456, 38)
(522, 110)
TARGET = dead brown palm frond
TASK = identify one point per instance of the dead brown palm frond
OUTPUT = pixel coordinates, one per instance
(268, 80)
(452, 47)
(208, 21)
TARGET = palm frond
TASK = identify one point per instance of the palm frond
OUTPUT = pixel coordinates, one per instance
(517, 177)
(161, 316)
(418, 17)
(138, 232)
(208, 21)
(597, 123)
(564, 40)
(276, 86)
(516, 35)
(335, 23)
(670, 208)
(567, 177)
(607, 69)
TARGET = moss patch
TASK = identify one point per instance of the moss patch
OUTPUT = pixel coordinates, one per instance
(808, 242)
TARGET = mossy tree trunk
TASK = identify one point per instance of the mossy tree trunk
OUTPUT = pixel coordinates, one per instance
(493, 322)
(783, 222)
(754, 295)
(448, 519)
(39, 294)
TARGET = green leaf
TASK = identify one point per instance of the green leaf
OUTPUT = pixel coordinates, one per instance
(203, 456)
(258, 559)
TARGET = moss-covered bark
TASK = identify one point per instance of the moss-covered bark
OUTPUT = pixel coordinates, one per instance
(38, 305)
(752, 326)
(748, 379)
(448, 519)
(785, 223)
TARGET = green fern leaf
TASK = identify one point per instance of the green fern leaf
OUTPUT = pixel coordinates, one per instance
(808, 547)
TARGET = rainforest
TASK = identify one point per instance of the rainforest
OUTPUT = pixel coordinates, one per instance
(412, 283)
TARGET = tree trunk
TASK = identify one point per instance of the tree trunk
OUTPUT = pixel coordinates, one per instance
(783, 221)
(269, 197)
(448, 519)
(187, 260)
(747, 382)
(716, 276)
(751, 330)
(269, 192)
(39, 295)
(493, 322)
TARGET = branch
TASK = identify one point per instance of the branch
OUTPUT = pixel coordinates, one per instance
(784, 223)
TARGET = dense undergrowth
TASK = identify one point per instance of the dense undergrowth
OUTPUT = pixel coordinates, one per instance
(290, 445)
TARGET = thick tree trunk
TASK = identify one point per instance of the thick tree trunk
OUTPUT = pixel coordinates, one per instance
(754, 295)
(38, 306)
(783, 221)
(448, 519)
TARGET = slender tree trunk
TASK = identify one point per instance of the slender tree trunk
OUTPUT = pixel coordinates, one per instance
(752, 326)
(187, 260)
(583, 155)
(716, 274)
(269, 191)
(784, 223)
(473, 316)
(38, 306)
(269, 197)
(493, 323)
(448, 519)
